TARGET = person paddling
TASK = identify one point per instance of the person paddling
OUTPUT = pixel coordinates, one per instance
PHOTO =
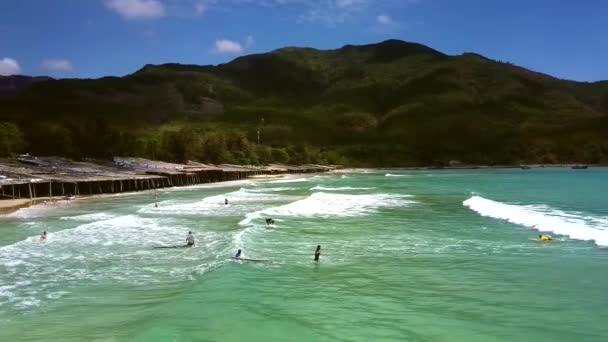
(318, 253)
(190, 240)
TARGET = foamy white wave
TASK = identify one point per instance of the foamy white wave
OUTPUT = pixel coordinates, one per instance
(227, 184)
(213, 205)
(393, 175)
(290, 180)
(90, 217)
(118, 249)
(544, 219)
(327, 188)
(39, 210)
(322, 204)
(262, 190)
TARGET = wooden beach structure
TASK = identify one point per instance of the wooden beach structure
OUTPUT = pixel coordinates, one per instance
(31, 177)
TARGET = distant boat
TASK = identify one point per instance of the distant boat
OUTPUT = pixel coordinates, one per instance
(580, 167)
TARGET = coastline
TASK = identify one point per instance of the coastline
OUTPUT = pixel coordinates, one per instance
(29, 181)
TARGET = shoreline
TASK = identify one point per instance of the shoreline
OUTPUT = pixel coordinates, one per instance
(30, 180)
(484, 167)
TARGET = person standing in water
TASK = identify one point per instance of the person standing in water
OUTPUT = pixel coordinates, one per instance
(190, 240)
(318, 253)
(43, 236)
(238, 254)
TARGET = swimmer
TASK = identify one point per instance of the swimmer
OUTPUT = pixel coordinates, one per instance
(238, 254)
(190, 240)
(225, 201)
(43, 236)
(318, 253)
(269, 221)
(542, 237)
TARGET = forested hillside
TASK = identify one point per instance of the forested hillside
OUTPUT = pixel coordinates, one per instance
(388, 104)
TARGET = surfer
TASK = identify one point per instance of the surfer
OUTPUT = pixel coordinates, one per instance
(225, 201)
(269, 221)
(189, 240)
(238, 254)
(318, 253)
(543, 237)
(43, 236)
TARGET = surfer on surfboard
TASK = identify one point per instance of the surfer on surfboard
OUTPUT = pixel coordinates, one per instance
(318, 253)
(238, 254)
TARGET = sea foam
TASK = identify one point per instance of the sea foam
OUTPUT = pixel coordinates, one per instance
(340, 188)
(321, 204)
(545, 219)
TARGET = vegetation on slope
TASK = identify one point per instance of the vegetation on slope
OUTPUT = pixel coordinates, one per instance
(387, 104)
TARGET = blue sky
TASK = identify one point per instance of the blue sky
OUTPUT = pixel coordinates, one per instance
(93, 38)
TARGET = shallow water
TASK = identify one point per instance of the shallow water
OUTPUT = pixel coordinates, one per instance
(416, 255)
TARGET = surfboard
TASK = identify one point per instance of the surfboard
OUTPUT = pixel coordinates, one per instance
(180, 246)
(247, 259)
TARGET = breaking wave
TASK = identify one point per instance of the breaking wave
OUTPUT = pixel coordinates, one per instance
(545, 219)
(326, 188)
(321, 204)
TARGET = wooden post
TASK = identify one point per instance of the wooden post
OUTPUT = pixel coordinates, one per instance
(34, 189)
(121, 185)
(30, 188)
(62, 189)
(13, 187)
(50, 189)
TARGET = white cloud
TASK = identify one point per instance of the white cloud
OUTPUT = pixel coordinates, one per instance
(384, 19)
(233, 46)
(9, 66)
(137, 9)
(62, 65)
(228, 46)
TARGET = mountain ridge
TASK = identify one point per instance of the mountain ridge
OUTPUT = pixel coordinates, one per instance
(383, 104)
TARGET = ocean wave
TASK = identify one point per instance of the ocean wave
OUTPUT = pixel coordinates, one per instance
(289, 180)
(263, 190)
(321, 204)
(393, 175)
(326, 188)
(213, 204)
(89, 217)
(117, 249)
(545, 219)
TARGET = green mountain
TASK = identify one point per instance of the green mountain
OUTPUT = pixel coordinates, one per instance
(388, 104)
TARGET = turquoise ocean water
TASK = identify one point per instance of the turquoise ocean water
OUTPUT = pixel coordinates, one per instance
(406, 256)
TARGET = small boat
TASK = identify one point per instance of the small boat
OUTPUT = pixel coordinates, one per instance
(580, 167)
